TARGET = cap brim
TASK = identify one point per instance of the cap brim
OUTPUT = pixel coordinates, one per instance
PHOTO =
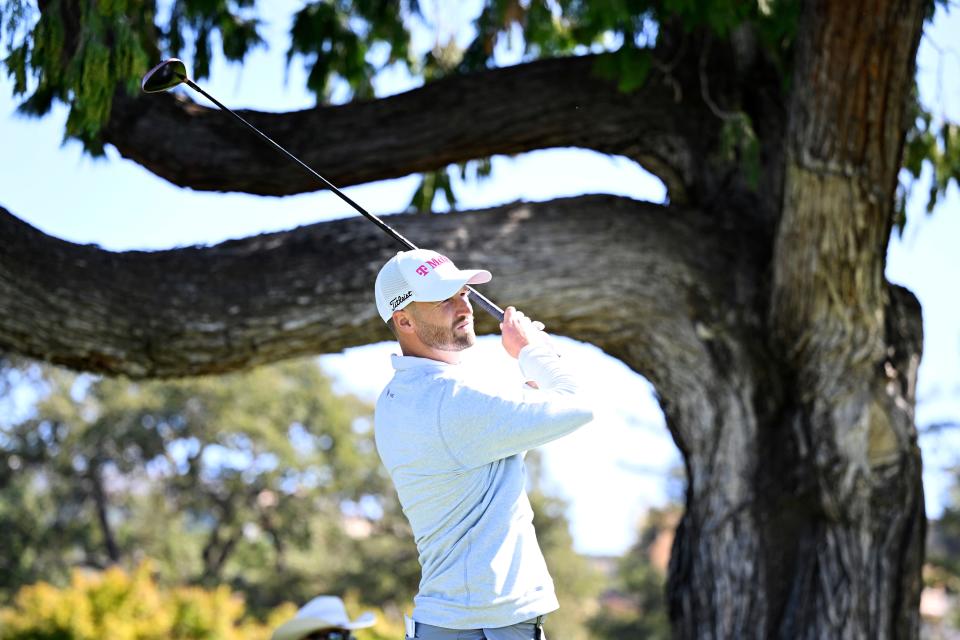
(297, 628)
(478, 276)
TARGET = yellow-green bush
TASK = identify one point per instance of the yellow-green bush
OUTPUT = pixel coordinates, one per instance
(116, 605)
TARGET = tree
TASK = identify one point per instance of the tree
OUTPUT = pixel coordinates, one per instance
(640, 580)
(238, 479)
(754, 300)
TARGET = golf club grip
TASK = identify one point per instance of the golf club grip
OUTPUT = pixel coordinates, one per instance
(486, 304)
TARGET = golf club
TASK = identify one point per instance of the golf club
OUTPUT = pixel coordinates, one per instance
(173, 72)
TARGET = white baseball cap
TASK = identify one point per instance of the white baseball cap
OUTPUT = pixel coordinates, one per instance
(420, 275)
(323, 612)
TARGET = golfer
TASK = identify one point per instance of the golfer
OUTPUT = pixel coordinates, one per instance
(453, 441)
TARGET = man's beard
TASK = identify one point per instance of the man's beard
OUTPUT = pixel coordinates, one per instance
(445, 338)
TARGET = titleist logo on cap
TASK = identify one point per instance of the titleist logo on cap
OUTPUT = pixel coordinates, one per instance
(396, 302)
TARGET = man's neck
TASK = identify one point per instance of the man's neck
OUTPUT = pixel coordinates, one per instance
(423, 351)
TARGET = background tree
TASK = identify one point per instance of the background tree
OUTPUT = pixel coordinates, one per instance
(642, 582)
(240, 479)
(754, 300)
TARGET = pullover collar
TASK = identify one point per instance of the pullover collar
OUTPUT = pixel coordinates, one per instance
(402, 363)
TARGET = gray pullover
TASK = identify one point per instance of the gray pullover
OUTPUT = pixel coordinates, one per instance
(453, 443)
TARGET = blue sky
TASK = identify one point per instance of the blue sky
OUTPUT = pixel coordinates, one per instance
(118, 205)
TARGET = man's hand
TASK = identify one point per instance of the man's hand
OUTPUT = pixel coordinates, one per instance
(517, 331)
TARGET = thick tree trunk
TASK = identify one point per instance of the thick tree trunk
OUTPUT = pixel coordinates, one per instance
(805, 515)
(784, 536)
(855, 420)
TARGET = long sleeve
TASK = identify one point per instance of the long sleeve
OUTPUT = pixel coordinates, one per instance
(480, 424)
(542, 364)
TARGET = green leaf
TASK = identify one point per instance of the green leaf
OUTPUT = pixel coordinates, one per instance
(634, 68)
(422, 199)
(16, 63)
(335, 40)
(607, 67)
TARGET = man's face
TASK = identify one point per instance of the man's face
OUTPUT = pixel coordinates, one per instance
(446, 325)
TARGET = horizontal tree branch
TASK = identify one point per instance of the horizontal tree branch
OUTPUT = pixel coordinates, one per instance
(544, 104)
(625, 275)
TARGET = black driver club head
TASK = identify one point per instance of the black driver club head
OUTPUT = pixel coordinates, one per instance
(165, 75)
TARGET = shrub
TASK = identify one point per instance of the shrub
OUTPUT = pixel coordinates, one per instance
(116, 605)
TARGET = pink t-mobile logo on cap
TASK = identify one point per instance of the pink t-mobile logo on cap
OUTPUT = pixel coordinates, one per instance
(424, 269)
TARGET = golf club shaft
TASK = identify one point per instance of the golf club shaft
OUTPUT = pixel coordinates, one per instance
(481, 300)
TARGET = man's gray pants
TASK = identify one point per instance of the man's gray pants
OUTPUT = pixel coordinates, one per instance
(519, 631)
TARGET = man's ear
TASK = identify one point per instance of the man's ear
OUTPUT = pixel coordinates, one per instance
(402, 321)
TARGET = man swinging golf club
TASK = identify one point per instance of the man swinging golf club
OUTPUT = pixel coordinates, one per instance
(453, 442)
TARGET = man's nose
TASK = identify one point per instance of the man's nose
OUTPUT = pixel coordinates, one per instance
(463, 305)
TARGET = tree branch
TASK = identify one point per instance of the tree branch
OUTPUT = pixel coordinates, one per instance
(245, 302)
(538, 105)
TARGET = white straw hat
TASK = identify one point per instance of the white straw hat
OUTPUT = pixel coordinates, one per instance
(323, 612)
(420, 275)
